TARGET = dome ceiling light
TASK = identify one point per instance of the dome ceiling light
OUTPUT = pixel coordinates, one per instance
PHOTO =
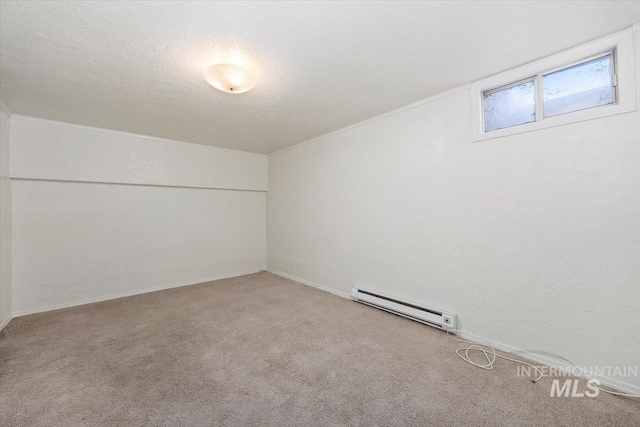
(230, 78)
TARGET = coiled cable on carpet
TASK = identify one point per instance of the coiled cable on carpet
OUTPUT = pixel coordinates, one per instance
(491, 354)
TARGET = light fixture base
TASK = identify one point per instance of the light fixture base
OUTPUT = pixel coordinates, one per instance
(230, 78)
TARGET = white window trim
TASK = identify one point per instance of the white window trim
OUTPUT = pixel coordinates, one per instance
(622, 41)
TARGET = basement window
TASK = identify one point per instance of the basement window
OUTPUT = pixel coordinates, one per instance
(587, 82)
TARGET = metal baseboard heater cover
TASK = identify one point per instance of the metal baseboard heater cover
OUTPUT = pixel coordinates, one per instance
(436, 318)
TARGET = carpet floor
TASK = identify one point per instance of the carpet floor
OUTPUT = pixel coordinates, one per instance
(262, 350)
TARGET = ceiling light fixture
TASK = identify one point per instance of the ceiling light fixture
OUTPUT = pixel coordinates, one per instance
(230, 78)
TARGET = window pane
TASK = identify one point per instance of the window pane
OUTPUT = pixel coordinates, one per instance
(511, 106)
(578, 87)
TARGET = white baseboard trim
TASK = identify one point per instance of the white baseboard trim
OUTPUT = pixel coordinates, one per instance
(128, 294)
(5, 322)
(608, 382)
(308, 283)
(551, 362)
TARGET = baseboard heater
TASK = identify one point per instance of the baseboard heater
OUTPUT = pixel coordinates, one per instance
(436, 318)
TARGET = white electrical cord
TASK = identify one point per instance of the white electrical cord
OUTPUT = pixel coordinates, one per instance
(490, 354)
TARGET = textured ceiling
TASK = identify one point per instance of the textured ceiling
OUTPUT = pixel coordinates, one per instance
(138, 66)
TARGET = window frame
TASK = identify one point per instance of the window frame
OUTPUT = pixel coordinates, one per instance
(619, 45)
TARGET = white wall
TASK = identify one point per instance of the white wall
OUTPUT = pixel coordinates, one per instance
(45, 149)
(532, 239)
(99, 214)
(5, 219)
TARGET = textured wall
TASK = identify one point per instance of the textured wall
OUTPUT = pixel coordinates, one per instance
(5, 219)
(51, 150)
(98, 214)
(75, 242)
(533, 239)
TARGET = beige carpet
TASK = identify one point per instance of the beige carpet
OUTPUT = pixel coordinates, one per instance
(262, 350)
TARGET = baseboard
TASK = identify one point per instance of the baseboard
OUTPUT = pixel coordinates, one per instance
(530, 356)
(551, 362)
(308, 283)
(129, 294)
(5, 322)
